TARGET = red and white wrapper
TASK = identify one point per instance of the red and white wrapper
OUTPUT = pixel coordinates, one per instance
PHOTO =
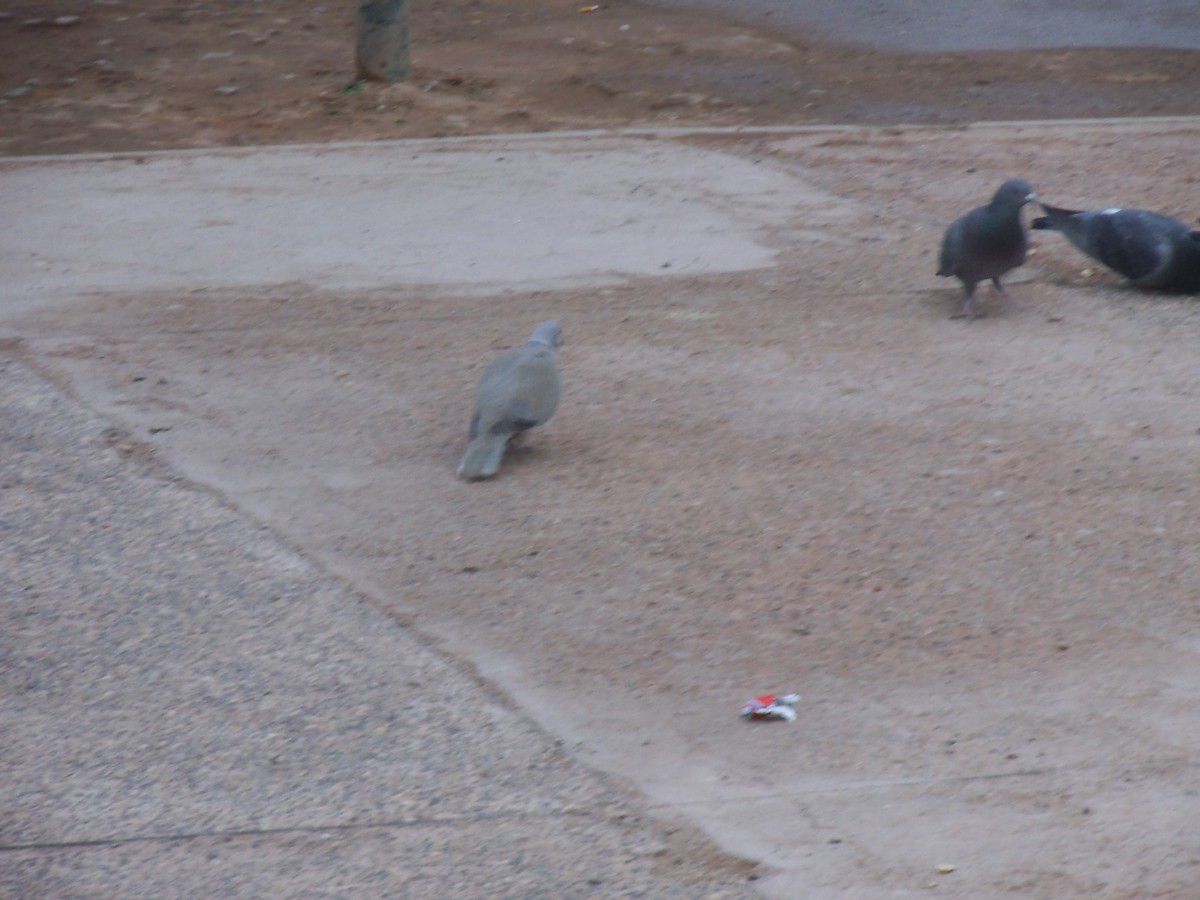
(771, 706)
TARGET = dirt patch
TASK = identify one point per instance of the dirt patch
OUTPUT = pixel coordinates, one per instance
(968, 546)
(119, 75)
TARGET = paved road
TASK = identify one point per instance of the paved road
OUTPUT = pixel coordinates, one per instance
(939, 26)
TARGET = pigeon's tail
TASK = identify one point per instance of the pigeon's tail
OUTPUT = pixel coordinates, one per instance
(1055, 219)
(483, 455)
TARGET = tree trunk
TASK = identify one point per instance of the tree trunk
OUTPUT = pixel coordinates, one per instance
(383, 40)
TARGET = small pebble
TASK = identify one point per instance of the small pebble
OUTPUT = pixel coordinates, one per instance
(227, 90)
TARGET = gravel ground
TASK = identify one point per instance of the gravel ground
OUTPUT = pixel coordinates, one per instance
(967, 545)
(970, 547)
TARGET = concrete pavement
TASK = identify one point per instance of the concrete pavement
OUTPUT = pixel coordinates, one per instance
(193, 708)
(231, 535)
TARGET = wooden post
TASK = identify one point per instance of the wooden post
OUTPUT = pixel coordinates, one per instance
(382, 53)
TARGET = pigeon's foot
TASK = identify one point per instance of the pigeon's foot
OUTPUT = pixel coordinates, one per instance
(968, 311)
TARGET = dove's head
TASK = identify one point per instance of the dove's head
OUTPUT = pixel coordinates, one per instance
(548, 333)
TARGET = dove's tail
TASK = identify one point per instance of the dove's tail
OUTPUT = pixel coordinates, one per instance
(1055, 219)
(483, 455)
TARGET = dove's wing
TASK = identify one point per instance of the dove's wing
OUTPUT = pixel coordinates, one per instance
(518, 391)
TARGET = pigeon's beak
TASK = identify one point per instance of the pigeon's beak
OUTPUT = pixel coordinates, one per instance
(1030, 197)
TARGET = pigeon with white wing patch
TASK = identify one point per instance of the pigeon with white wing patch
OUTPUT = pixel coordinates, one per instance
(1151, 250)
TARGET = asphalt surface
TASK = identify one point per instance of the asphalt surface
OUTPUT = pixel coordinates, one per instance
(932, 26)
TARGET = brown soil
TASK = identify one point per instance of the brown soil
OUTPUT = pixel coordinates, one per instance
(969, 546)
(839, 492)
(168, 73)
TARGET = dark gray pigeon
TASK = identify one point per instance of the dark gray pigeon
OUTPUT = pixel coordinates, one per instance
(518, 391)
(1150, 249)
(987, 242)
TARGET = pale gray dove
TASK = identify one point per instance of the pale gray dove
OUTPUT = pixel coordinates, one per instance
(518, 391)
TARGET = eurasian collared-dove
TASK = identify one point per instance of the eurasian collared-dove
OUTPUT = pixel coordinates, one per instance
(518, 391)
(1150, 249)
(987, 242)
